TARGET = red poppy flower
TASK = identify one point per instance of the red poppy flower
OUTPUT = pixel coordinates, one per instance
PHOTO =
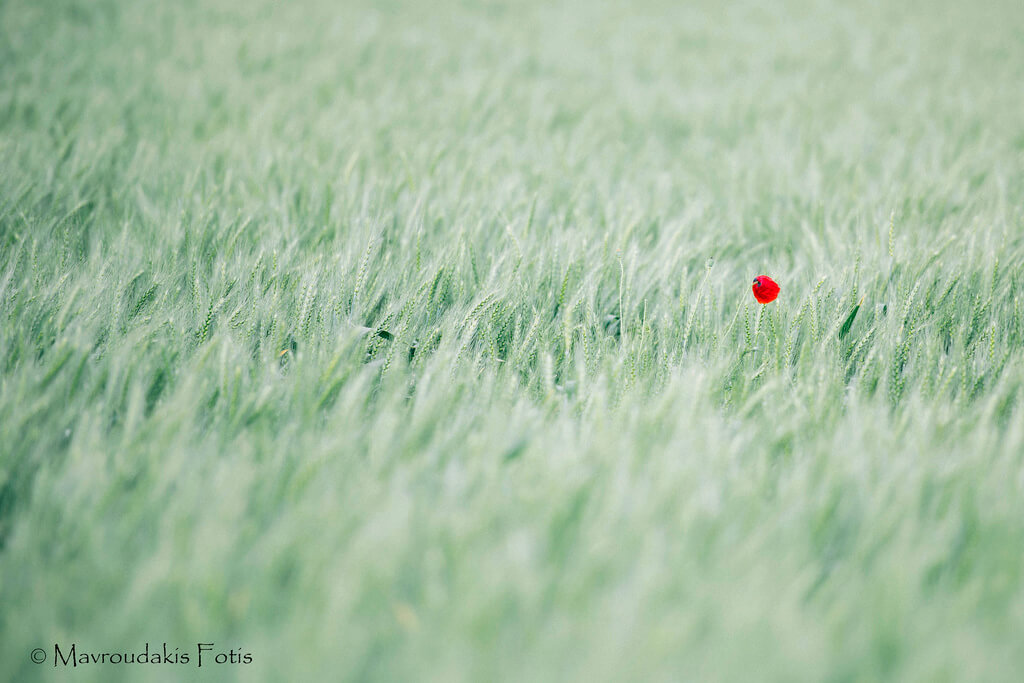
(765, 289)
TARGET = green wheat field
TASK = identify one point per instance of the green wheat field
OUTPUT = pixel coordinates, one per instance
(408, 341)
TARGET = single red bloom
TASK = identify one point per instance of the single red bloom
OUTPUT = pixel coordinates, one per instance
(765, 289)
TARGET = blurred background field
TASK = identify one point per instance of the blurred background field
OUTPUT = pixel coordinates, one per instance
(415, 341)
